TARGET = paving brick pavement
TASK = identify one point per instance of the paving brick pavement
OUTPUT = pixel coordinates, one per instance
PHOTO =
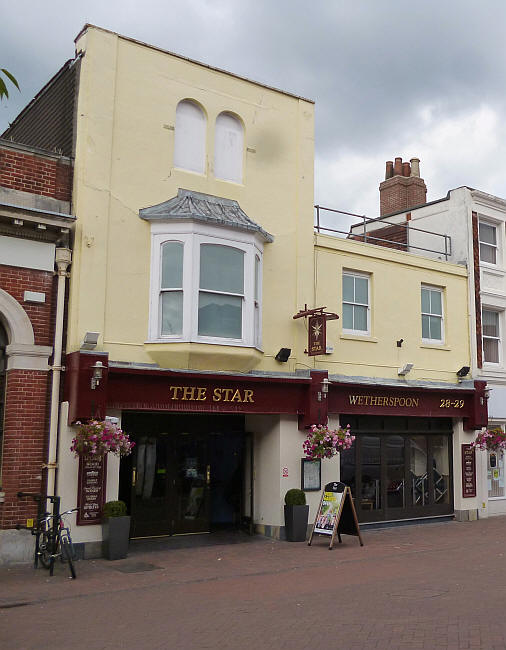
(427, 586)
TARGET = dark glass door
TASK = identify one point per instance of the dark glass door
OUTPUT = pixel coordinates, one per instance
(398, 475)
(192, 478)
(170, 485)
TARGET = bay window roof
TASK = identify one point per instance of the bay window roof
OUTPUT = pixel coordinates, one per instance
(196, 206)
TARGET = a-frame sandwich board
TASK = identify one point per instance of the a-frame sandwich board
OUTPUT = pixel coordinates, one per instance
(336, 514)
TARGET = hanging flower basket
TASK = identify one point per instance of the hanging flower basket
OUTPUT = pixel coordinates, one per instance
(322, 442)
(491, 440)
(100, 437)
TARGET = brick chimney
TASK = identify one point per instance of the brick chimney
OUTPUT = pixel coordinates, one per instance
(402, 188)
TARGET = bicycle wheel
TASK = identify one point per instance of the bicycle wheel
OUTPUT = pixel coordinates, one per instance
(45, 550)
(66, 555)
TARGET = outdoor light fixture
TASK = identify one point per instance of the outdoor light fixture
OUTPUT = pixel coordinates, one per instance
(90, 340)
(463, 372)
(98, 369)
(283, 355)
(322, 394)
(405, 369)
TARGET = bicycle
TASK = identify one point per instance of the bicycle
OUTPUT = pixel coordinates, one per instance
(55, 541)
(52, 536)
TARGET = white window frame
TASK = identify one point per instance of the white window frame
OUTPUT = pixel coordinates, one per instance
(441, 316)
(363, 276)
(494, 338)
(192, 235)
(495, 246)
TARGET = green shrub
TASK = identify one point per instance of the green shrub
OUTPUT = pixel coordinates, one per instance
(114, 509)
(295, 497)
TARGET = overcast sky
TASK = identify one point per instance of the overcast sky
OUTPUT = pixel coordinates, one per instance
(389, 78)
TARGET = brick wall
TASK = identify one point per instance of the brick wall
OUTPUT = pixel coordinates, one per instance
(37, 174)
(401, 193)
(25, 441)
(16, 281)
(390, 237)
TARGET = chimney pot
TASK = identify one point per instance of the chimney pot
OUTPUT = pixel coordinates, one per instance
(389, 172)
(398, 167)
(406, 169)
(415, 167)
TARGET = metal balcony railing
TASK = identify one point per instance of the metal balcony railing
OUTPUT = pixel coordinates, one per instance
(382, 232)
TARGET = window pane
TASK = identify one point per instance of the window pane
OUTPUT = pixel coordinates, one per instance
(172, 312)
(172, 265)
(348, 317)
(418, 470)
(361, 293)
(257, 277)
(490, 323)
(220, 316)
(435, 303)
(426, 301)
(221, 268)
(435, 328)
(487, 233)
(441, 469)
(348, 290)
(425, 327)
(360, 318)
(487, 254)
(491, 350)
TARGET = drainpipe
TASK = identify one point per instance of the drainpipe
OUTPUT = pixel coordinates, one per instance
(63, 257)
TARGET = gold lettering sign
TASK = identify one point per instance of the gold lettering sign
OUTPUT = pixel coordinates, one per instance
(380, 400)
(200, 394)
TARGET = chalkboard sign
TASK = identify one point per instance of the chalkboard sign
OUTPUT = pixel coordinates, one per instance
(336, 514)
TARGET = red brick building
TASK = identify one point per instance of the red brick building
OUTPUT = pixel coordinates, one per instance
(35, 229)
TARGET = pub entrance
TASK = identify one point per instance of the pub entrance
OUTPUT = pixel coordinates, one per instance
(399, 467)
(187, 473)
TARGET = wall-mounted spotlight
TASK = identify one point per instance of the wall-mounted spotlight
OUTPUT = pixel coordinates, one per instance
(463, 372)
(405, 369)
(283, 355)
(399, 343)
(90, 340)
(98, 369)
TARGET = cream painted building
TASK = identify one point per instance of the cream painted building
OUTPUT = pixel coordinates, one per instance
(194, 249)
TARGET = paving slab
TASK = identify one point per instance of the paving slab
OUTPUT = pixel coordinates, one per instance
(439, 585)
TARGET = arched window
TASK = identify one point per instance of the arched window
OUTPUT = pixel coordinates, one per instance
(190, 137)
(228, 148)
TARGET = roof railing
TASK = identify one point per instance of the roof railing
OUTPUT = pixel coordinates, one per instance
(365, 229)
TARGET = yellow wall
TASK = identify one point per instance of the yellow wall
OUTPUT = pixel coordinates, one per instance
(395, 285)
(127, 102)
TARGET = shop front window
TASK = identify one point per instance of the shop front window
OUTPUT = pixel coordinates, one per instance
(440, 469)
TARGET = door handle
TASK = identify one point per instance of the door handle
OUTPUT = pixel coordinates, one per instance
(134, 476)
(208, 474)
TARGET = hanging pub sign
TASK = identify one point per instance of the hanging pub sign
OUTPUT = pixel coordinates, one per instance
(336, 514)
(317, 329)
(468, 471)
(91, 489)
(317, 335)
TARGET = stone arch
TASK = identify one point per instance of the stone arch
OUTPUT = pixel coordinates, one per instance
(15, 320)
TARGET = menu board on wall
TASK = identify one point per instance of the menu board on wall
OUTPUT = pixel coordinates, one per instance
(91, 489)
(468, 471)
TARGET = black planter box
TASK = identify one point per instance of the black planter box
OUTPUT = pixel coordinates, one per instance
(115, 535)
(296, 523)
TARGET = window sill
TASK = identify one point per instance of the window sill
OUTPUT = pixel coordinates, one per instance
(435, 346)
(359, 337)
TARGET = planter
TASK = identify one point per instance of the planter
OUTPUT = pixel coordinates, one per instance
(296, 518)
(115, 535)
